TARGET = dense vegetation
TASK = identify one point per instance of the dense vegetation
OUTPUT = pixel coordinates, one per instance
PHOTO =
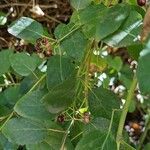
(85, 86)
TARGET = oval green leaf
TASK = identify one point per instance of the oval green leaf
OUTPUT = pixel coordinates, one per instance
(23, 64)
(23, 131)
(102, 102)
(4, 61)
(27, 29)
(60, 97)
(59, 69)
(31, 106)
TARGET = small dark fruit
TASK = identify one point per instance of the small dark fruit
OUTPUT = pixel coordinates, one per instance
(61, 118)
(48, 53)
(86, 117)
(141, 2)
(43, 46)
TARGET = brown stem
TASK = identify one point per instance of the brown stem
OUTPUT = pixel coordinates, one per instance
(24, 4)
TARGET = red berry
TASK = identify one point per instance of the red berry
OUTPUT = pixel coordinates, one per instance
(141, 2)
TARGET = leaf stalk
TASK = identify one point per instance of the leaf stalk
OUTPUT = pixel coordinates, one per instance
(124, 112)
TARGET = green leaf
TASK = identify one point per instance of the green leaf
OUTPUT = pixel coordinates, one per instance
(4, 61)
(59, 69)
(27, 29)
(90, 18)
(23, 64)
(138, 8)
(3, 18)
(99, 62)
(143, 72)
(2, 80)
(54, 139)
(62, 30)
(127, 147)
(101, 124)
(76, 132)
(132, 2)
(52, 142)
(8, 99)
(147, 146)
(74, 44)
(127, 33)
(134, 50)
(97, 20)
(90, 15)
(116, 63)
(31, 106)
(98, 123)
(29, 81)
(126, 76)
(4, 111)
(60, 97)
(102, 102)
(37, 58)
(39, 146)
(5, 144)
(11, 95)
(23, 131)
(114, 17)
(96, 140)
(2, 99)
(80, 4)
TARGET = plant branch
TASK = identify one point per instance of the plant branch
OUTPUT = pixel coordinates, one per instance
(69, 33)
(36, 84)
(24, 4)
(52, 18)
(84, 72)
(11, 78)
(124, 112)
(65, 136)
(10, 84)
(86, 89)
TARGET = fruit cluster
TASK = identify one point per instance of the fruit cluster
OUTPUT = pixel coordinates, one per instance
(141, 2)
(43, 46)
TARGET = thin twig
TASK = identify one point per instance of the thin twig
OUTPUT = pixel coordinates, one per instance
(65, 137)
(10, 84)
(1, 38)
(52, 18)
(25, 7)
(24, 4)
(11, 78)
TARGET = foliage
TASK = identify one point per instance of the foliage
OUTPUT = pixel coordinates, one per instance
(72, 104)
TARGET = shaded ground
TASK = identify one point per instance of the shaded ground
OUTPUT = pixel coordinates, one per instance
(56, 11)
